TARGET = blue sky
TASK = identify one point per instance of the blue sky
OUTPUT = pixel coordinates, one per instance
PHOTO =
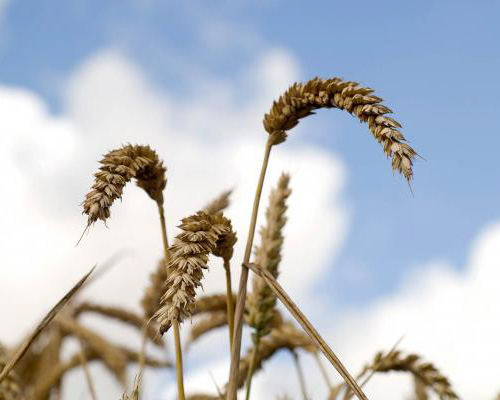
(435, 63)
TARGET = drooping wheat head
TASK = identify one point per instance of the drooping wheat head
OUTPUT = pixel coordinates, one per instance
(210, 303)
(118, 168)
(425, 372)
(301, 99)
(10, 388)
(262, 301)
(189, 257)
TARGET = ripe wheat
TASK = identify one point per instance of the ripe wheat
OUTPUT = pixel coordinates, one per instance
(118, 168)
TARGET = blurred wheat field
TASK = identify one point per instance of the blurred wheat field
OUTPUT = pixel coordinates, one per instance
(35, 369)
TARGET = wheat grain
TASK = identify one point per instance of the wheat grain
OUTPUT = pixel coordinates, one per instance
(185, 270)
(262, 300)
(118, 168)
(301, 99)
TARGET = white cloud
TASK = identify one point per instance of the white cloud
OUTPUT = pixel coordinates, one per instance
(211, 139)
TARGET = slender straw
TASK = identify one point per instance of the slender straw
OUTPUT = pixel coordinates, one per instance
(177, 336)
(323, 371)
(85, 367)
(178, 360)
(242, 290)
(252, 367)
(230, 303)
(300, 374)
(308, 328)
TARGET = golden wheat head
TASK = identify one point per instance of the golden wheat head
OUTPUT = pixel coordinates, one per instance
(301, 99)
(118, 167)
(189, 257)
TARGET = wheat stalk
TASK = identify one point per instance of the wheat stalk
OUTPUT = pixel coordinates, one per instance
(299, 101)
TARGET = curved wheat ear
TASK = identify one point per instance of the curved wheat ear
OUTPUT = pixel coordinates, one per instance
(211, 303)
(425, 372)
(9, 388)
(189, 257)
(122, 315)
(119, 167)
(150, 301)
(224, 245)
(284, 337)
(262, 300)
(301, 99)
(207, 324)
(220, 203)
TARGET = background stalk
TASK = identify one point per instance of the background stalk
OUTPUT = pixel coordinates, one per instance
(178, 361)
(230, 303)
(252, 367)
(300, 374)
(242, 290)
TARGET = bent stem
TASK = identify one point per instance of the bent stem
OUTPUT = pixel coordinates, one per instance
(252, 366)
(230, 303)
(308, 328)
(242, 290)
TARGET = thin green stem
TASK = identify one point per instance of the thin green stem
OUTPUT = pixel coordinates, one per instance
(242, 290)
(252, 366)
(230, 303)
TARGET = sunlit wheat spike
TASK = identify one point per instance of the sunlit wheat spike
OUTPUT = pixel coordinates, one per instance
(262, 301)
(220, 203)
(426, 372)
(118, 167)
(301, 99)
(150, 301)
(189, 257)
(284, 337)
(10, 388)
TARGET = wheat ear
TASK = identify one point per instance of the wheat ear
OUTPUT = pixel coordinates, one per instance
(10, 388)
(118, 168)
(262, 300)
(211, 303)
(425, 371)
(120, 314)
(299, 101)
(207, 324)
(220, 203)
(185, 270)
